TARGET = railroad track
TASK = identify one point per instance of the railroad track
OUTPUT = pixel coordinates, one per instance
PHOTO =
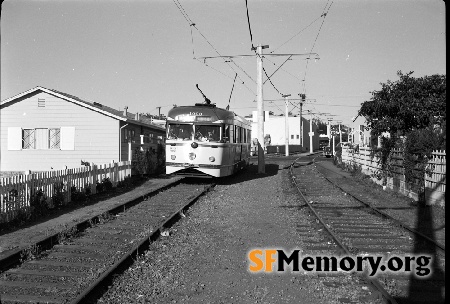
(81, 266)
(349, 226)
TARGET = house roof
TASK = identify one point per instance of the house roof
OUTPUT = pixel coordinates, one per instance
(97, 107)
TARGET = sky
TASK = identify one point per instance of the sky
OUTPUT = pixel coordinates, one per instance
(147, 54)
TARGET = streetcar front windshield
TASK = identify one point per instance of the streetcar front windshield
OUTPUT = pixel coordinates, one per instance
(180, 132)
(207, 133)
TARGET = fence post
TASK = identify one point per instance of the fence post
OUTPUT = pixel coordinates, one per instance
(94, 178)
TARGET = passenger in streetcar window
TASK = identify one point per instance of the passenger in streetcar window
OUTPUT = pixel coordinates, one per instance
(212, 136)
(185, 132)
(198, 136)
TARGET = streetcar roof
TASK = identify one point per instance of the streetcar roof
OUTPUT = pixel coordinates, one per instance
(203, 113)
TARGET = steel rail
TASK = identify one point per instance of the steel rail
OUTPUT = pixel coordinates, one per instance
(385, 215)
(13, 257)
(372, 282)
(92, 289)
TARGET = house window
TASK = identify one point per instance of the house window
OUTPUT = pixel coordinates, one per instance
(28, 139)
(41, 103)
(298, 136)
(292, 136)
(129, 136)
(54, 138)
(41, 138)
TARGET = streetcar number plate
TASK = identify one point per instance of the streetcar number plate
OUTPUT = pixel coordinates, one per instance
(173, 149)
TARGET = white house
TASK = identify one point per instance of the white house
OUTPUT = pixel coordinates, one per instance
(44, 129)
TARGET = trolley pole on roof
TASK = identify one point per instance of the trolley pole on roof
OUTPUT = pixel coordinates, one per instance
(260, 107)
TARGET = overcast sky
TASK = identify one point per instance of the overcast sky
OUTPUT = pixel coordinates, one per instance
(145, 54)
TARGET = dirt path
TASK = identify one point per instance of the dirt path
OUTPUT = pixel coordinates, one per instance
(204, 260)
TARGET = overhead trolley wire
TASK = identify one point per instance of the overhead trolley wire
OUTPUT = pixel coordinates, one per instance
(183, 12)
(278, 68)
(297, 33)
(192, 24)
(324, 14)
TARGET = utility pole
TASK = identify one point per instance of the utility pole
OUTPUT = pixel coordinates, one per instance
(303, 97)
(260, 107)
(259, 93)
(286, 128)
(311, 134)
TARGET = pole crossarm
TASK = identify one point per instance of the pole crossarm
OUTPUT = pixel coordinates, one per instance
(291, 99)
(265, 55)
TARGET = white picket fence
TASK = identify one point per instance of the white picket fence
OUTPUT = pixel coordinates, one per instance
(435, 184)
(16, 191)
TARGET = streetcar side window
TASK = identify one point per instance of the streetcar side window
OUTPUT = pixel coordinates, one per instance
(226, 134)
(238, 134)
(180, 132)
(232, 134)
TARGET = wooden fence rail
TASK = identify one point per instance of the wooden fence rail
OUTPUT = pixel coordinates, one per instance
(17, 191)
(435, 184)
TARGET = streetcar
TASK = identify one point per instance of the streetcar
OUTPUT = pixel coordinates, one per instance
(206, 141)
(323, 142)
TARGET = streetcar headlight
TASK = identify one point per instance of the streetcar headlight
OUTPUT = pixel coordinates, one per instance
(192, 156)
(173, 157)
(212, 159)
(194, 145)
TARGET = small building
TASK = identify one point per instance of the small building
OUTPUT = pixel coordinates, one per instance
(360, 135)
(275, 127)
(44, 129)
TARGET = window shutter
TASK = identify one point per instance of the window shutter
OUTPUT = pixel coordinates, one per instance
(67, 137)
(14, 138)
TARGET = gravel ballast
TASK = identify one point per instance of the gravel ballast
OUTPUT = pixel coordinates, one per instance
(203, 257)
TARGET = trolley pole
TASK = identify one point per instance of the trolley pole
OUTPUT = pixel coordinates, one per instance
(260, 105)
(159, 112)
(286, 123)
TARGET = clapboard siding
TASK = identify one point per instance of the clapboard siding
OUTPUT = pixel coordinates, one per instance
(96, 134)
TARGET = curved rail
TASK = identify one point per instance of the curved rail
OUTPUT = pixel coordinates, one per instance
(372, 282)
(387, 216)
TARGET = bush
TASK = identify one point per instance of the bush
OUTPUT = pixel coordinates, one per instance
(77, 196)
(58, 195)
(104, 185)
(126, 183)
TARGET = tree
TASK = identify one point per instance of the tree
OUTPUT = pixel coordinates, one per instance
(413, 112)
(406, 105)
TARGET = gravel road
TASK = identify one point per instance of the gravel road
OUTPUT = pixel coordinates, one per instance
(204, 257)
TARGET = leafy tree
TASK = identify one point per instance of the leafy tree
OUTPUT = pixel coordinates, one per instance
(413, 112)
(406, 105)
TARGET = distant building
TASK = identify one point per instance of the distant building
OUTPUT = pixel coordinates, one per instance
(43, 129)
(359, 134)
(275, 127)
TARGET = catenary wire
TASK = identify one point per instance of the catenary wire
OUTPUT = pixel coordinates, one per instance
(324, 14)
(192, 24)
(297, 34)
